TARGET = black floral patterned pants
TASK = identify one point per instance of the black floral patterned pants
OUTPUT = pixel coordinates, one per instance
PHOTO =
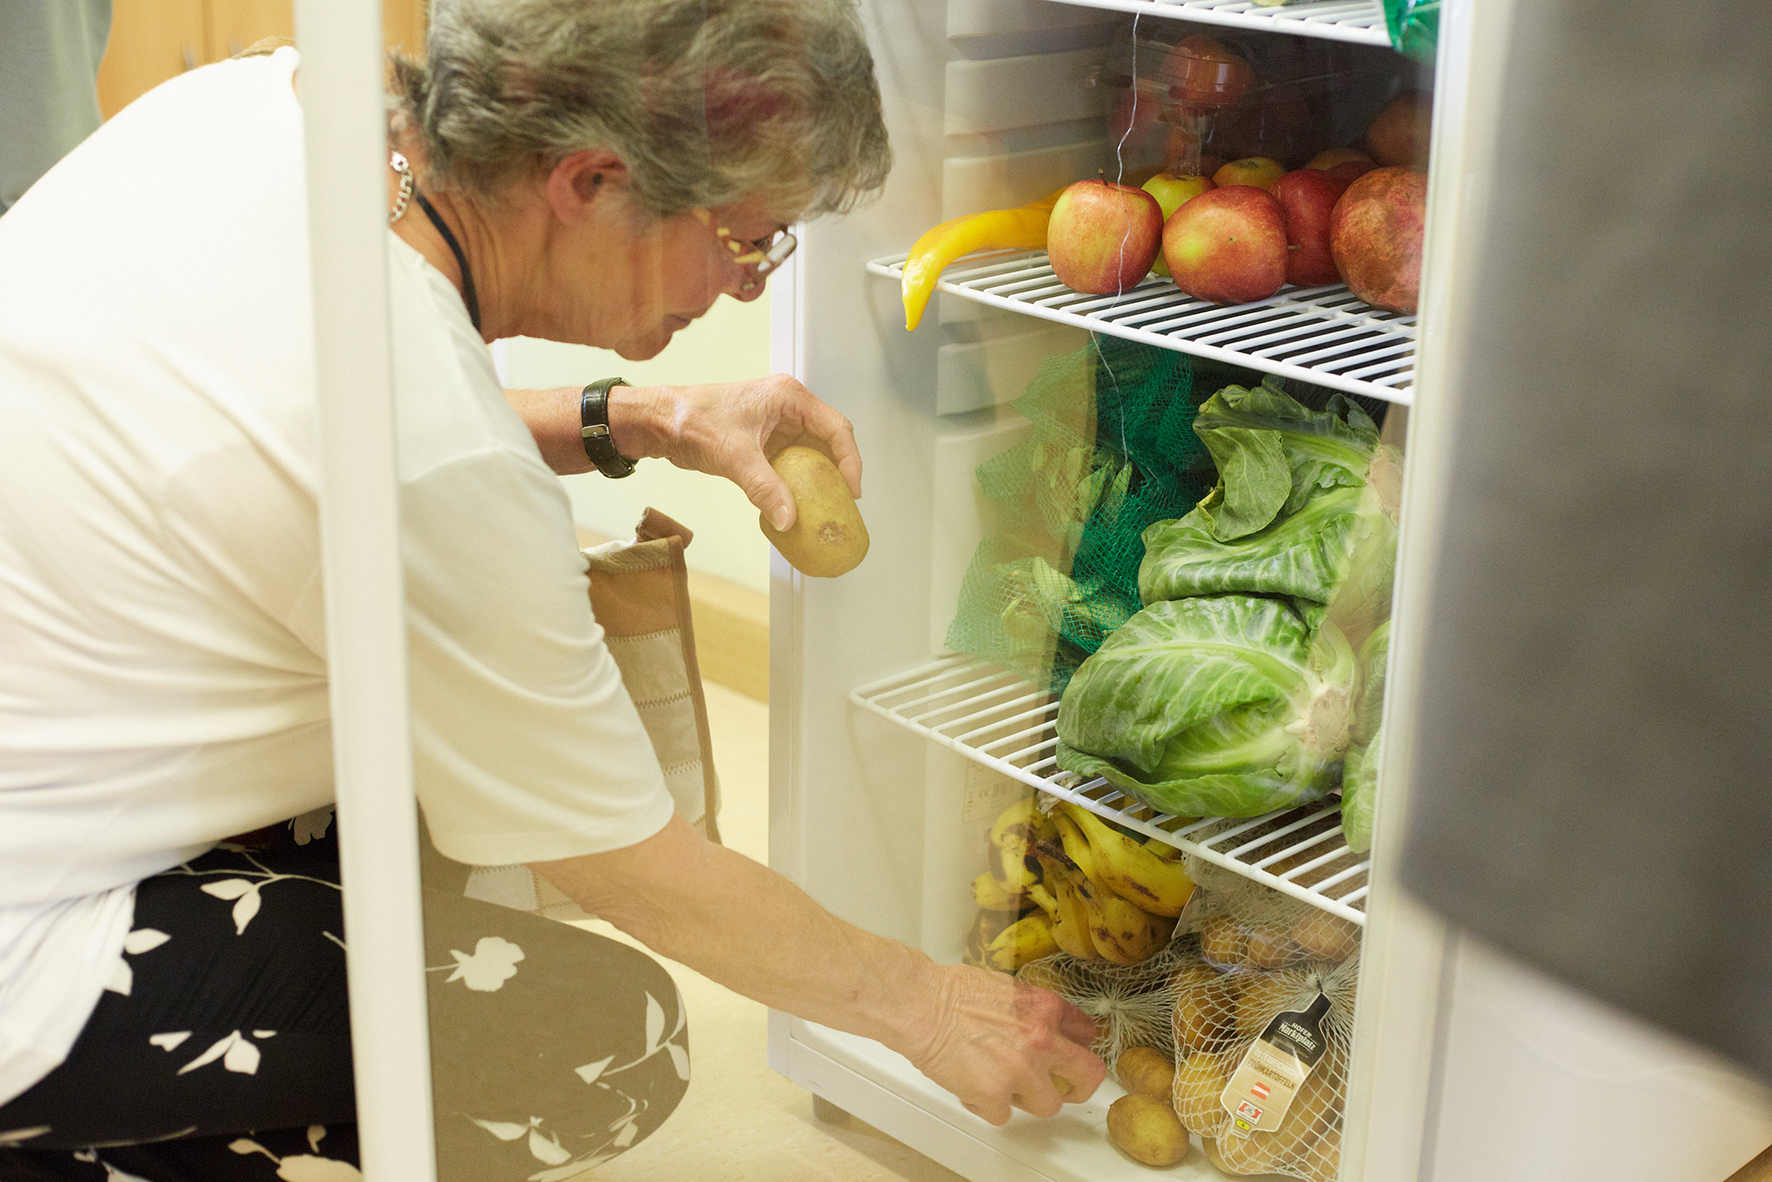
(221, 1050)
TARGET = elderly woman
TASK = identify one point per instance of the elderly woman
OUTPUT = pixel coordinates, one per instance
(172, 1002)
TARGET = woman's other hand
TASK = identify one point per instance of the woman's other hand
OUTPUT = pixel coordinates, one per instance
(731, 430)
(998, 1044)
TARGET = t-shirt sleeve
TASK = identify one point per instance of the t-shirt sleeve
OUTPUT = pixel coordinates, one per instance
(527, 746)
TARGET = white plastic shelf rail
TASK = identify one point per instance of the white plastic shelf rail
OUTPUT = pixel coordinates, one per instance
(1324, 335)
(1360, 21)
(1003, 722)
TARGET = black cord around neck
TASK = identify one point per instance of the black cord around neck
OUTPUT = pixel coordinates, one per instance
(461, 260)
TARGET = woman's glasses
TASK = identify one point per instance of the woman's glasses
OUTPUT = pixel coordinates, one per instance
(761, 255)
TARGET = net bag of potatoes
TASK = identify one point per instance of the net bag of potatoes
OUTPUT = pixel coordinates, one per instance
(1129, 1003)
(1276, 971)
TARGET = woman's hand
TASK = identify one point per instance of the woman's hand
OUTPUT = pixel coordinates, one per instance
(731, 430)
(997, 1044)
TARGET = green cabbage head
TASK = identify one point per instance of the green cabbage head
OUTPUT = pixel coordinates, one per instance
(1300, 493)
(1222, 705)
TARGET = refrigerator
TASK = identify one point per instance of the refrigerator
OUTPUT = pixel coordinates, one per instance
(890, 755)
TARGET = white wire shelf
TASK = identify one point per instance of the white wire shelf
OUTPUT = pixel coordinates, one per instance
(1003, 722)
(1360, 21)
(1324, 335)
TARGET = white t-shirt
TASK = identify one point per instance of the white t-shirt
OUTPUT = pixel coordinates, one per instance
(162, 647)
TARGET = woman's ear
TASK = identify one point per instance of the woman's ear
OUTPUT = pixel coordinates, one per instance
(582, 179)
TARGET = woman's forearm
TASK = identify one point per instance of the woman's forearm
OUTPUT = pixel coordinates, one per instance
(753, 931)
(992, 1041)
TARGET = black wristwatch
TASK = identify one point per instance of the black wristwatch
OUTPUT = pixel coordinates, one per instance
(593, 413)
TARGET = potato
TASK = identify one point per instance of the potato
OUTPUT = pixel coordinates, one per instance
(827, 537)
(1199, 1083)
(1223, 941)
(1147, 1071)
(1212, 1155)
(1144, 1128)
(1264, 995)
(1323, 1162)
(1272, 948)
(1205, 1008)
(1326, 937)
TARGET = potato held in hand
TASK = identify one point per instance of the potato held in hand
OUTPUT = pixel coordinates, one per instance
(827, 537)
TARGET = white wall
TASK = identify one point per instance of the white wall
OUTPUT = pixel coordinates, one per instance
(730, 343)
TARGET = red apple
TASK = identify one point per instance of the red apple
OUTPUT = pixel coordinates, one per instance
(1349, 171)
(1375, 234)
(1204, 75)
(1307, 197)
(1330, 157)
(1227, 245)
(1398, 135)
(1103, 236)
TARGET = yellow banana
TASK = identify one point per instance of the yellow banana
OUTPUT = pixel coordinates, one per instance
(1120, 930)
(1076, 845)
(992, 895)
(1043, 898)
(1125, 866)
(1028, 938)
(1010, 864)
(1018, 816)
(1070, 919)
(1163, 849)
(1011, 834)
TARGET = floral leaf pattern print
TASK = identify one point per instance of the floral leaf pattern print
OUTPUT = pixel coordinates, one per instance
(143, 940)
(169, 1041)
(12, 1137)
(655, 1033)
(591, 1071)
(236, 1052)
(245, 895)
(503, 1130)
(303, 1167)
(493, 962)
(311, 826)
(547, 1150)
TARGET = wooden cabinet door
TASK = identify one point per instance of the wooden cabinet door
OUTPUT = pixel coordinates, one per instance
(232, 25)
(235, 24)
(151, 41)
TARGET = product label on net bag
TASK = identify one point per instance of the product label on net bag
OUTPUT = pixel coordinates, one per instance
(1275, 1067)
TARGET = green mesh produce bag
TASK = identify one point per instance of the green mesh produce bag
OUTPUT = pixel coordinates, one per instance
(1414, 26)
(1112, 451)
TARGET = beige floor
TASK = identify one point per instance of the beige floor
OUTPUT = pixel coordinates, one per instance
(740, 1121)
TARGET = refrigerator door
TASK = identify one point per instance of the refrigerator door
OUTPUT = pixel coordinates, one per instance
(988, 105)
(1538, 1082)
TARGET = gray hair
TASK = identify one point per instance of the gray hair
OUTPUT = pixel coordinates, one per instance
(705, 101)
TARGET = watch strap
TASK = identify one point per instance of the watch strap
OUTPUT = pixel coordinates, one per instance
(593, 415)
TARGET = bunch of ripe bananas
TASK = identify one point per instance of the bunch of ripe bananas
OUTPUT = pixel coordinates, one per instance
(1069, 881)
